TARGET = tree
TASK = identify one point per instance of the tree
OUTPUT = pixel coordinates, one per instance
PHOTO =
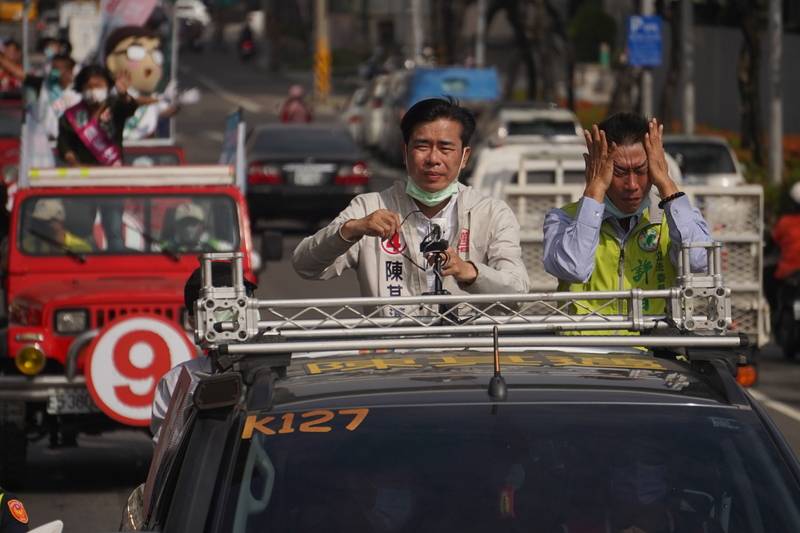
(671, 13)
(514, 13)
(752, 18)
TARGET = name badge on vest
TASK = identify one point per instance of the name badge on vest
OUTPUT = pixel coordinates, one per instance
(649, 237)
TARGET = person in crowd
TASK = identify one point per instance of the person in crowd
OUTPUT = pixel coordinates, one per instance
(10, 81)
(191, 233)
(13, 515)
(90, 132)
(379, 234)
(610, 239)
(786, 235)
(221, 277)
(47, 232)
(295, 109)
(137, 50)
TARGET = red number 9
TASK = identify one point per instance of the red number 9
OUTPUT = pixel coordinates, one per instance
(159, 366)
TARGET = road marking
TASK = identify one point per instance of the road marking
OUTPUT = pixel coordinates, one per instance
(775, 405)
(214, 135)
(245, 103)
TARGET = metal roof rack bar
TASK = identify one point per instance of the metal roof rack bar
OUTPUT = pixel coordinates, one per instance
(701, 304)
(586, 341)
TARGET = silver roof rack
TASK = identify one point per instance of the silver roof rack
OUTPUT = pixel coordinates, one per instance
(698, 314)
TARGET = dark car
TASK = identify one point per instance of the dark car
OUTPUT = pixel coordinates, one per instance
(303, 171)
(460, 439)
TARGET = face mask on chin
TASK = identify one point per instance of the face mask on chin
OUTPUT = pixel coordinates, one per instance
(95, 96)
(615, 211)
(432, 199)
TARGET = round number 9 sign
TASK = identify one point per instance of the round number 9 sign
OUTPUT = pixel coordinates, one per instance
(127, 359)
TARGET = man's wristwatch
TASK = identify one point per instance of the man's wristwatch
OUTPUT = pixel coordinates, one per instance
(669, 198)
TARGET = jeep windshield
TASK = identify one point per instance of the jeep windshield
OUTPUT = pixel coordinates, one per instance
(512, 467)
(132, 224)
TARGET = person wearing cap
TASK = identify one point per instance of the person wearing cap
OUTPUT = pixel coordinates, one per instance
(191, 233)
(786, 234)
(609, 239)
(47, 233)
(379, 234)
(221, 277)
(13, 516)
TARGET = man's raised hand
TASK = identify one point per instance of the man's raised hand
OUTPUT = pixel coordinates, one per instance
(599, 163)
(656, 160)
(381, 223)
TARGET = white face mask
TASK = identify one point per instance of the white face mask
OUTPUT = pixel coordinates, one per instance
(95, 96)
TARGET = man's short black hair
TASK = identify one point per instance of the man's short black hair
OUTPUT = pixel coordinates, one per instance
(90, 71)
(63, 57)
(432, 109)
(624, 128)
(221, 277)
(12, 42)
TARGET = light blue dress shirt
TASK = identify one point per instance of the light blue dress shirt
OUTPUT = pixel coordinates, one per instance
(570, 243)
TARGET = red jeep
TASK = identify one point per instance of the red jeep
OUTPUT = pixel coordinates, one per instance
(86, 249)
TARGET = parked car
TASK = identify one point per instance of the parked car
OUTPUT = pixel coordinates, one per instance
(355, 113)
(705, 160)
(377, 116)
(193, 19)
(518, 122)
(475, 89)
(308, 172)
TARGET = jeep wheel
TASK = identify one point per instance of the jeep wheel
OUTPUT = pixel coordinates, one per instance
(13, 452)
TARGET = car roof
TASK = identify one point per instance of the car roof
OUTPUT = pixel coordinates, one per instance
(532, 113)
(463, 376)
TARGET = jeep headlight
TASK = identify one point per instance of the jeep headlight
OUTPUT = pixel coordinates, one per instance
(72, 321)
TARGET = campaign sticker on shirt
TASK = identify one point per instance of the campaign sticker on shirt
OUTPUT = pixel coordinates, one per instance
(18, 511)
(393, 245)
(463, 241)
(648, 238)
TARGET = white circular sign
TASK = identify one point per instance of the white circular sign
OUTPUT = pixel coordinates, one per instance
(127, 359)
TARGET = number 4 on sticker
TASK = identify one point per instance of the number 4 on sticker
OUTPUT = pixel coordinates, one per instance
(316, 421)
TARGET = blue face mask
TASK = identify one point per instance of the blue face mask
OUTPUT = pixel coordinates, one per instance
(54, 76)
(614, 211)
(434, 198)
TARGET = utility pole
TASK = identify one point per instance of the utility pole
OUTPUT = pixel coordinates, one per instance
(416, 30)
(687, 38)
(322, 53)
(648, 8)
(480, 35)
(775, 160)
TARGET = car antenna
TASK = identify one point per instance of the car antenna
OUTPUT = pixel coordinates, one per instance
(497, 385)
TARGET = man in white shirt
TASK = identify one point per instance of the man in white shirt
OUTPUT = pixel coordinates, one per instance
(379, 234)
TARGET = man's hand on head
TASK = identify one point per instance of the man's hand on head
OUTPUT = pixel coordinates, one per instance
(463, 271)
(599, 163)
(656, 160)
(381, 223)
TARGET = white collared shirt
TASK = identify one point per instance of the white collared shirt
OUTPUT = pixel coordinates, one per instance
(424, 224)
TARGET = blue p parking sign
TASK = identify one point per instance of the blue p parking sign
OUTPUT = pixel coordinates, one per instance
(644, 41)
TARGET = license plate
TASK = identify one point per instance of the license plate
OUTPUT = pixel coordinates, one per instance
(307, 178)
(70, 402)
(309, 174)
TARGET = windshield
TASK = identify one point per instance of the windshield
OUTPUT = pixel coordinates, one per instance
(548, 468)
(701, 158)
(134, 224)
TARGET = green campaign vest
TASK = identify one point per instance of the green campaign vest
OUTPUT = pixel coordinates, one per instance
(641, 262)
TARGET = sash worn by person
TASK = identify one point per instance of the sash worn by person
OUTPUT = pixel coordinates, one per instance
(90, 132)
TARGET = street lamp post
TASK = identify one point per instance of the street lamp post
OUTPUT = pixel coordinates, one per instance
(775, 160)
(687, 38)
(322, 53)
(648, 8)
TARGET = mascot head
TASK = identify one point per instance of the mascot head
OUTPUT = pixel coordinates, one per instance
(137, 50)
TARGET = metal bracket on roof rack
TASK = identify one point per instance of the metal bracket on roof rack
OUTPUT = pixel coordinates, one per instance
(705, 289)
(701, 304)
(224, 314)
